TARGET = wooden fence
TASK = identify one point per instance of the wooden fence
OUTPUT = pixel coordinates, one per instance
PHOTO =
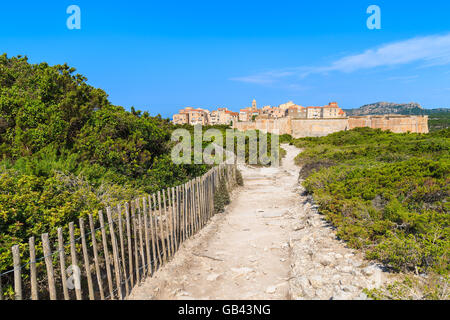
(116, 250)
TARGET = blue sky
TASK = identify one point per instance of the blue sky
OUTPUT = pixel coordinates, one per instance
(161, 56)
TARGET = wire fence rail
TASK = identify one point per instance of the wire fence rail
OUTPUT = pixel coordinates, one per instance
(105, 257)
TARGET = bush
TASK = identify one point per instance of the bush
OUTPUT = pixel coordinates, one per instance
(239, 179)
(386, 193)
(66, 151)
(413, 288)
(221, 196)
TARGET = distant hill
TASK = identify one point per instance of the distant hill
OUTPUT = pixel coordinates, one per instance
(393, 108)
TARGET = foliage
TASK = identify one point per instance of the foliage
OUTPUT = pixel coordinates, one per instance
(386, 193)
(221, 196)
(66, 151)
(239, 179)
(438, 121)
(286, 138)
(432, 287)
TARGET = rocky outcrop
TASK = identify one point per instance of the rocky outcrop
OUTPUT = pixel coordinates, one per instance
(379, 108)
(323, 267)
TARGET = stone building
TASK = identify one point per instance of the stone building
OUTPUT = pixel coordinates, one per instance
(191, 116)
(245, 114)
(268, 110)
(285, 106)
(180, 118)
(297, 112)
(313, 112)
(220, 116)
(332, 111)
(228, 117)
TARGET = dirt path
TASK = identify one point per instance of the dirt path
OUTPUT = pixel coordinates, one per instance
(242, 253)
(270, 243)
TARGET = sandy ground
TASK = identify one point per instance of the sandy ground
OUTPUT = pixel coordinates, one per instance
(242, 253)
(270, 243)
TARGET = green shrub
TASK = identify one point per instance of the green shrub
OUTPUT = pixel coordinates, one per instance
(433, 287)
(221, 196)
(386, 193)
(239, 179)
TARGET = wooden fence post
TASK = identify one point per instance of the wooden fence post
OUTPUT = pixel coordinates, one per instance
(167, 222)
(194, 226)
(122, 250)
(155, 214)
(130, 249)
(153, 232)
(169, 216)
(163, 240)
(33, 275)
(203, 202)
(205, 219)
(49, 264)
(146, 233)
(106, 252)
(73, 253)
(135, 238)
(197, 187)
(178, 191)
(87, 264)
(62, 264)
(183, 212)
(141, 244)
(175, 218)
(96, 261)
(189, 191)
(200, 202)
(17, 272)
(188, 211)
(115, 252)
(194, 205)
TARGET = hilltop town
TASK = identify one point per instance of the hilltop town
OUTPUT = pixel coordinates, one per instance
(298, 121)
(201, 116)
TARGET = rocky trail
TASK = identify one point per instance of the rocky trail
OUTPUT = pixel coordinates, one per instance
(270, 243)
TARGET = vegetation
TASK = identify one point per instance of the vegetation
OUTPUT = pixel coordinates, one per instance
(221, 196)
(433, 287)
(239, 179)
(386, 193)
(66, 151)
(439, 121)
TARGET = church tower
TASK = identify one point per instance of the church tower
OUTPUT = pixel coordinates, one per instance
(254, 104)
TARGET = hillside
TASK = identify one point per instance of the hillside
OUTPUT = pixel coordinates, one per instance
(393, 108)
(387, 194)
(66, 151)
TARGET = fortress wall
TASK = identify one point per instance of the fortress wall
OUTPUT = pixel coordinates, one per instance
(244, 125)
(300, 128)
(317, 127)
(283, 125)
(397, 124)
